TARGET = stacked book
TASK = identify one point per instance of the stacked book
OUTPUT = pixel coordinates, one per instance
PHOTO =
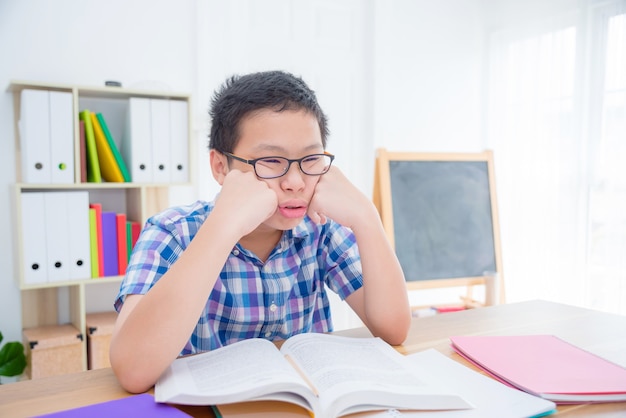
(112, 238)
(100, 156)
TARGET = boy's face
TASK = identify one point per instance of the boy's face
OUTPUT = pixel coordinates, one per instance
(289, 134)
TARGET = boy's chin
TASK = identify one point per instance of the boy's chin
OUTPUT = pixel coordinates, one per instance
(284, 224)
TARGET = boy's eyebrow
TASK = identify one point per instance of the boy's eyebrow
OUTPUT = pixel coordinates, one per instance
(278, 149)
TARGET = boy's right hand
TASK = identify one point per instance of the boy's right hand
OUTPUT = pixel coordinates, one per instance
(245, 201)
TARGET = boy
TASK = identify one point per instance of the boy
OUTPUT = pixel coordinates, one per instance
(257, 261)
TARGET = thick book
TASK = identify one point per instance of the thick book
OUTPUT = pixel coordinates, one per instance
(108, 166)
(116, 153)
(491, 399)
(329, 375)
(546, 366)
(93, 166)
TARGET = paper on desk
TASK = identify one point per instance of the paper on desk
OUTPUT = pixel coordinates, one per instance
(491, 398)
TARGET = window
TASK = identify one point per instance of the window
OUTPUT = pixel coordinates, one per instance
(557, 125)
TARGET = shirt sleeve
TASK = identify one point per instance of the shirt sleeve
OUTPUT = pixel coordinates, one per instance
(345, 274)
(153, 254)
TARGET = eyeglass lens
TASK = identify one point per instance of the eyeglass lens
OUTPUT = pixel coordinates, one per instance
(313, 165)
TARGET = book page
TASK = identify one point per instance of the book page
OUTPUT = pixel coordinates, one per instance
(330, 360)
(491, 398)
(244, 370)
(353, 374)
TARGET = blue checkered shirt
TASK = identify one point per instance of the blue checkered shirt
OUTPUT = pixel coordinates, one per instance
(282, 297)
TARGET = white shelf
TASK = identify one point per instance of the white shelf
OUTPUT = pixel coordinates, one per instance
(47, 303)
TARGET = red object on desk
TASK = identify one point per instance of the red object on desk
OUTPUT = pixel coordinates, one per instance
(443, 309)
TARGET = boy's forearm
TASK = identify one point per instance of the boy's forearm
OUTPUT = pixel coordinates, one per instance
(385, 299)
(153, 333)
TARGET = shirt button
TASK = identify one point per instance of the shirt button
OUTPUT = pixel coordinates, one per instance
(235, 252)
(268, 334)
(273, 307)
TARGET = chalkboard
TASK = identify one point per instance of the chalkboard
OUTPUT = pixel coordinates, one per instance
(440, 214)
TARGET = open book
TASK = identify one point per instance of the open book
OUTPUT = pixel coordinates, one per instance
(328, 375)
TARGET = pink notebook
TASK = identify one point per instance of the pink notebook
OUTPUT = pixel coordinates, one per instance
(546, 366)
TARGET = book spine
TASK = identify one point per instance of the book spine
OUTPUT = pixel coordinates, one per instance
(136, 230)
(93, 241)
(129, 239)
(109, 243)
(98, 208)
(122, 242)
(108, 166)
(93, 166)
(114, 150)
(83, 152)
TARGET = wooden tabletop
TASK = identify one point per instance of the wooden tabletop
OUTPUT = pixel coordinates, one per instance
(601, 333)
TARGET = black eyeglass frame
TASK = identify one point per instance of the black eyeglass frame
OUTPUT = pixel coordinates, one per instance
(289, 162)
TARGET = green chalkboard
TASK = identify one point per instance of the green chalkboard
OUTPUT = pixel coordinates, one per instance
(439, 211)
(442, 219)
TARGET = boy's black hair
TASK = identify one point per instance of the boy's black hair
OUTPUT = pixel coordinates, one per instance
(240, 96)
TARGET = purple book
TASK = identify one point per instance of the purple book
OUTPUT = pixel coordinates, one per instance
(133, 406)
(109, 244)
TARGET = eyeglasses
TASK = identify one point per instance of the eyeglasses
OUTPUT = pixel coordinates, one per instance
(273, 167)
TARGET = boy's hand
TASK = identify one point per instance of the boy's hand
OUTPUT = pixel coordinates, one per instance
(335, 197)
(246, 201)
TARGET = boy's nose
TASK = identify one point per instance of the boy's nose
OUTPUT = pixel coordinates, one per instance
(294, 177)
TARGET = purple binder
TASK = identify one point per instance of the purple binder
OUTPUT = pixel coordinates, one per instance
(109, 244)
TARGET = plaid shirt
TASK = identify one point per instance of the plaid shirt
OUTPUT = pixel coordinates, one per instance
(282, 297)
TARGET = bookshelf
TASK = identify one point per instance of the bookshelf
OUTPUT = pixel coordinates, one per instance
(54, 302)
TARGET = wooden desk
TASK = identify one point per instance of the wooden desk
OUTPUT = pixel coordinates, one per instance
(599, 332)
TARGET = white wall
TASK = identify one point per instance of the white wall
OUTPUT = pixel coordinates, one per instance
(428, 78)
(415, 73)
(147, 43)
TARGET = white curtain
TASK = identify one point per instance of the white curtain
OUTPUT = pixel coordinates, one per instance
(606, 250)
(557, 125)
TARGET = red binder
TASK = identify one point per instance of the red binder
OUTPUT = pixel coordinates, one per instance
(122, 252)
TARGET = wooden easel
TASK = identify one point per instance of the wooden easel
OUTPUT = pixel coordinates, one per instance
(415, 184)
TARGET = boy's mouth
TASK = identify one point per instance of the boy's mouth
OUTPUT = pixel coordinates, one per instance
(289, 211)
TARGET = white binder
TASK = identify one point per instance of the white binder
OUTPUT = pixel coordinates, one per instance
(34, 127)
(160, 144)
(136, 147)
(34, 238)
(61, 137)
(57, 240)
(179, 141)
(78, 234)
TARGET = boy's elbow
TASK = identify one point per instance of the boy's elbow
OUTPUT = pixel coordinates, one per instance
(129, 375)
(132, 380)
(398, 332)
(397, 337)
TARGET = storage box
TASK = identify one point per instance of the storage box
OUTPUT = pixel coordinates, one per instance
(99, 331)
(53, 350)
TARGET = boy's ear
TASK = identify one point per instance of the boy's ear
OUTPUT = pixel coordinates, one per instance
(219, 165)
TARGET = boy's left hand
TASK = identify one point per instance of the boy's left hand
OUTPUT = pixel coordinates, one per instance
(335, 197)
